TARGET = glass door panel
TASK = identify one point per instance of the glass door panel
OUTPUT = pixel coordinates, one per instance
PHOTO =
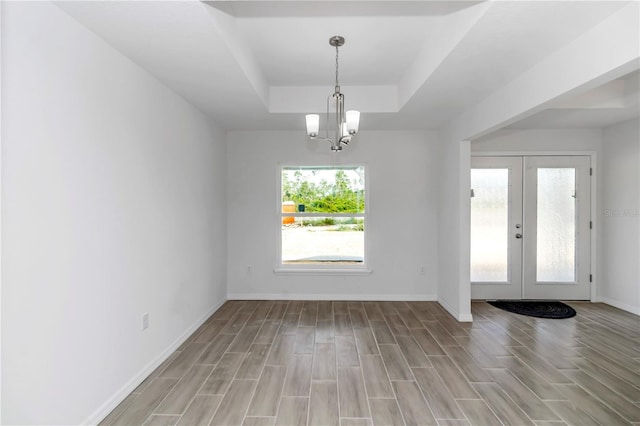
(490, 225)
(496, 209)
(556, 212)
(557, 241)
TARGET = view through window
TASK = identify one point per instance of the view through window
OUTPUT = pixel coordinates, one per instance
(323, 215)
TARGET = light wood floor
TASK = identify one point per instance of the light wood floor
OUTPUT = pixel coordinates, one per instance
(395, 363)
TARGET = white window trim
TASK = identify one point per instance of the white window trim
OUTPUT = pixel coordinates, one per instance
(314, 269)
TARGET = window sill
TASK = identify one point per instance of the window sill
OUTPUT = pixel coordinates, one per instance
(322, 271)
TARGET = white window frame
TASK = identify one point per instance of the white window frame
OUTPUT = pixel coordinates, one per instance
(319, 269)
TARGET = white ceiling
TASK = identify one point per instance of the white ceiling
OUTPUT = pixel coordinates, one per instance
(405, 64)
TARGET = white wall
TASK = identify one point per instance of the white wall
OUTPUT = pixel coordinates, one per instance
(539, 140)
(113, 192)
(620, 216)
(401, 228)
(454, 291)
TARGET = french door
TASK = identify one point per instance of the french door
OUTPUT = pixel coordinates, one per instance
(530, 225)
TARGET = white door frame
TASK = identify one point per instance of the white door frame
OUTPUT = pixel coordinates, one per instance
(594, 217)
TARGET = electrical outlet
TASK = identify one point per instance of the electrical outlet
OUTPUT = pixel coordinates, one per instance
(145, 321)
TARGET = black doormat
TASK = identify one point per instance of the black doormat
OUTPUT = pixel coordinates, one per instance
(535, 308)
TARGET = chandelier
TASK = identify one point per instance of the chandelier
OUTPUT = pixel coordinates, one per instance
(346, 122)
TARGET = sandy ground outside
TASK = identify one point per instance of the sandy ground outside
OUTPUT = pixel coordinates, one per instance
(312, 241)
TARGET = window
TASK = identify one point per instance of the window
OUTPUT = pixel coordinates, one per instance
(323, 217)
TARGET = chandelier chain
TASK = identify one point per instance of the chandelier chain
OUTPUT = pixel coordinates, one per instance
(337, 84)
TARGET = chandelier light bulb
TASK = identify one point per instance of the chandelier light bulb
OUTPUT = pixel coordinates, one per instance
(353, 121)
(313, 125)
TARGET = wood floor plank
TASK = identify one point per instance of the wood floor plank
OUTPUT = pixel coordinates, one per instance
(365, 342)
(324, 362)
(343, 324)
(373, 312)
(439, 333)
(458, 422)
(267, 332)
(352, 401)
(503, 407)
(222, 376)
(268, 391)
(523, 396)
(325, 310)
(396, 325)
(244, 339)
(385, 412)
(298, 380)
(212, 353)
(177, 401)
(611, 398)
(293, 411)
(412, 404)
(340, 308)
(440, 399)
(538, 385)
(258, 421)
(478, 412)
(381, 332)
(323, 405)
(325, 331)
(471, 369)
(412, 352)
(355, 422)
(161, 420)
(183, 361)
(593, 407)
(252, 365)
(453, 378)
(277, 311)
(211, 330)
(309, 314)
(483, 358)
(233, 406)
(358, 318)
(304, 342)
(156, 373)
(146, 402)
(427, 342)
(375, 377)
(108, 421)
(572, 415)
(409, 318)
(281, 349)
(201, 410)
(608, 379)
(397, 367)
(346, 351)
(540, 365)
(294, 307)
(235, 324)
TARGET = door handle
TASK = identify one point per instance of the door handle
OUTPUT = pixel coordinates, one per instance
(518, 236)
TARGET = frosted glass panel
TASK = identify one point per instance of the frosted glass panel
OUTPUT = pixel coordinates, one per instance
(556, 241)
(489, 225)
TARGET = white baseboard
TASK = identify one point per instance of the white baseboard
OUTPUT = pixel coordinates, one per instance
(132, 384)
(454, 312)
(337, 297)
(616, 304)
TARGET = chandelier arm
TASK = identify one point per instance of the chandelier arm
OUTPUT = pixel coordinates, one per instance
(326, 117)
